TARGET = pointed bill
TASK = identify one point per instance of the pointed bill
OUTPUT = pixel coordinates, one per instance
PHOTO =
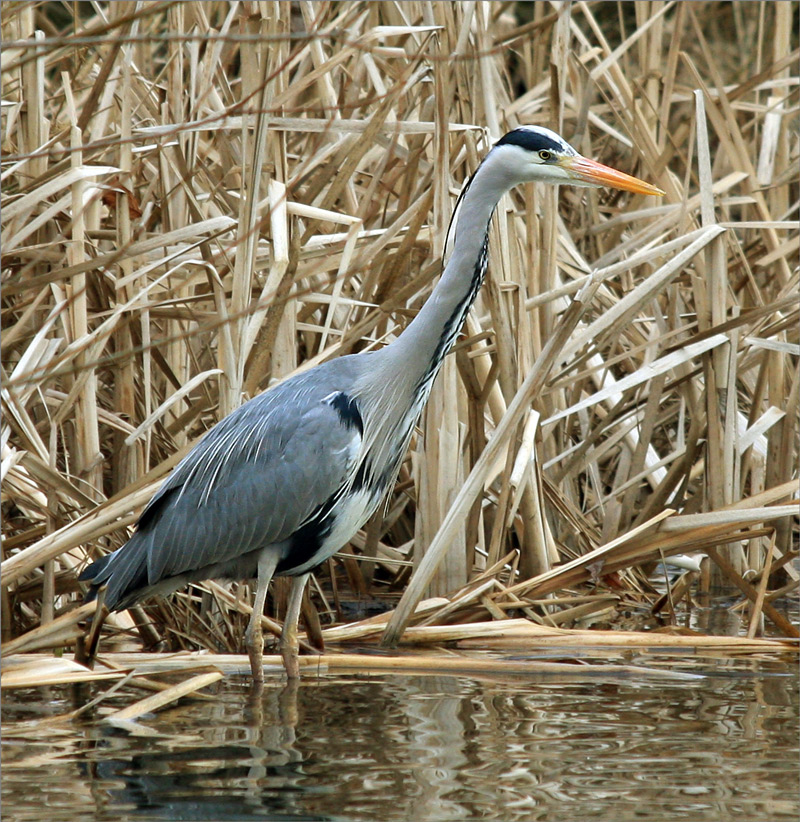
(594, 173)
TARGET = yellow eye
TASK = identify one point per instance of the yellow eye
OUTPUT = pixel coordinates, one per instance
(545, 155)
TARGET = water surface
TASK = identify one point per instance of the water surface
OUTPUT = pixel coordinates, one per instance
(420, 748)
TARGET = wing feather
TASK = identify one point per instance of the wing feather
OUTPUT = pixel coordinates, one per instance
(239, 498)
(252, 481)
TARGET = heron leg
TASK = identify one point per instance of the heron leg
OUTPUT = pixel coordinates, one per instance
(290, 645)
(254, 637)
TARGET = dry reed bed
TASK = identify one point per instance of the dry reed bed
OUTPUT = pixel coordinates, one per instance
(202, 198)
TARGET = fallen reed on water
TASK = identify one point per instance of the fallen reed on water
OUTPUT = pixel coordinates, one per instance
(202, 198)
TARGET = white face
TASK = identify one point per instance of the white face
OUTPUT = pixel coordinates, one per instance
(535, 153)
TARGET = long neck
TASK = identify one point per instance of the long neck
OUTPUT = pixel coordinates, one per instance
(420, 349)
(404, 371)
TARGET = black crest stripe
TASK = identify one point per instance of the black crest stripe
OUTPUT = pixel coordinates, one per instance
(530, 140)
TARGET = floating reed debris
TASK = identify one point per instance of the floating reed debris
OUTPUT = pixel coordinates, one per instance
(201, 199)
(468, 656)
(163, 698)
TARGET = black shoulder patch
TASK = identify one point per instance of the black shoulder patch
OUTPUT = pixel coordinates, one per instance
(347, 409)
(531, 139)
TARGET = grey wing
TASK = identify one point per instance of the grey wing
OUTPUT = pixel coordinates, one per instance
(252, 481)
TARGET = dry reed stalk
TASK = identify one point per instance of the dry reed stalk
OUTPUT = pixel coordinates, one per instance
(32, 670)
(427, 662)
(521, 631)
(153, 703)
(56, 633)
(200, 199)
(498, 637)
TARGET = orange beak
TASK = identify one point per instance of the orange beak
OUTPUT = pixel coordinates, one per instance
(596, 174)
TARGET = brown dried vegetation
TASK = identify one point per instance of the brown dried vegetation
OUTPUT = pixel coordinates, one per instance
(201, 198)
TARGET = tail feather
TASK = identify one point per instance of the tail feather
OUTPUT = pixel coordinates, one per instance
(124, 572)
(94, 574)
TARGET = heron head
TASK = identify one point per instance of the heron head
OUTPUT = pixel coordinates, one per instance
(542, 155)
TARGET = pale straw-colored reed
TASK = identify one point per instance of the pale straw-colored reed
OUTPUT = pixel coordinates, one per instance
(202, 198)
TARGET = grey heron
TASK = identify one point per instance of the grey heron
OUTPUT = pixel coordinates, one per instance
(283, 482)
